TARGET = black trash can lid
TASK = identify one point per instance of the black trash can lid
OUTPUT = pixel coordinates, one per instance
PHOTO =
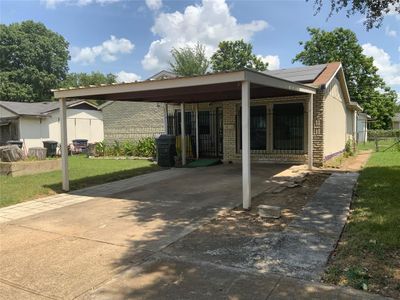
(50, 142)
(80, 140)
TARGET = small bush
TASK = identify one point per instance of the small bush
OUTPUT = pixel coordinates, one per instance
(146, 147)
(348, 148)
(128, 148)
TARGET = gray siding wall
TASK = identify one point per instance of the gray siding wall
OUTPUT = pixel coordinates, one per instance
(132, 120)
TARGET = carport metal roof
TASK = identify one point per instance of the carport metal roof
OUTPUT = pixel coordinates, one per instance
(205, 88)
(225, 86)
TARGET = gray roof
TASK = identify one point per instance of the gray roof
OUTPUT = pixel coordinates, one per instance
(36, 109)
(301, 74)
(306, 74)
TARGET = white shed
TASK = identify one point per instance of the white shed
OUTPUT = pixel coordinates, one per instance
(362, 128)
(35, 122)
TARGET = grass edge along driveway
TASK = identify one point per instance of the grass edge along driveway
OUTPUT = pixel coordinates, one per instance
(368, 254)
(83, 172)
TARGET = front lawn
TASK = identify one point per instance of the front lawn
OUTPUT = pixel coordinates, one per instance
(83, 172)
(368, 254)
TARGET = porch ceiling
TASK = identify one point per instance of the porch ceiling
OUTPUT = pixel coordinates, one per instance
(206, 88)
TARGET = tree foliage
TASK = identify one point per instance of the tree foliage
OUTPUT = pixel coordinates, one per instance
(189, 61)
(381, 107)
(364, 84)
(33, 60)
(85, 79)
(236, 55)
(374, 11)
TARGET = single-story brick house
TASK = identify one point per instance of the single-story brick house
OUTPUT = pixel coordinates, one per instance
(35, 122)
(278, 127)
(292, 115)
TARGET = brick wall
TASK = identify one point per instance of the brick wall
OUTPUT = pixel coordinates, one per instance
(132, 120)
(231, 153)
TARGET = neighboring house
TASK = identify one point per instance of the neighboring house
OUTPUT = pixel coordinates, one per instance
(35, 122)
(396, 121)
(362, 127)
(133, 121)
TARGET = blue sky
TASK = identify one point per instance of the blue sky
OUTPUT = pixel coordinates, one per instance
(133, 38)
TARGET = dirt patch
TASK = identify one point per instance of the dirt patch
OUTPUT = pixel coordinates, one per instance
(291, 201)
(351, 163)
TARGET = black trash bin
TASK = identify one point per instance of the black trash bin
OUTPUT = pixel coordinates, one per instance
(18, 143)
(51, 147)
(166, 150)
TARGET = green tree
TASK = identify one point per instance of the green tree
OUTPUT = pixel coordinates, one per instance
(374, 11)
(361, 75)
(85, 79)
(189, 61)
(381, 107)
(234, 56)
(33, 60)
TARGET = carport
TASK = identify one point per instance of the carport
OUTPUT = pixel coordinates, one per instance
(243, 86)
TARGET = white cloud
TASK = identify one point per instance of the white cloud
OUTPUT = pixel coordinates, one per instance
(389, 70)
(208, 23)
(108, 51)
(127, 77)
(272, 60)
(154, 4)
(390, 32)
(53, 3)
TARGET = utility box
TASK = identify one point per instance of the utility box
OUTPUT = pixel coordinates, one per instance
(166, 150)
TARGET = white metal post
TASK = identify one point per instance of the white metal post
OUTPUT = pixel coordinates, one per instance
(183, 133)
(246, 170)
(64, 145)
(166, 118)
(310, 131)
(197, 130)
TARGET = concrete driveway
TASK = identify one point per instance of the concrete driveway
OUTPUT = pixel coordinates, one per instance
(70, 251)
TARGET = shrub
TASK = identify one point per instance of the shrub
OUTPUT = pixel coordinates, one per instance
(146, 147)
(128, 148)
(100, 148)
(348, 148)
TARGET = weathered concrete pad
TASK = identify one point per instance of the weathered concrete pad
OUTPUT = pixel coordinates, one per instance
(301, 250)
(58, 266)
(8, 291)
(166, 278)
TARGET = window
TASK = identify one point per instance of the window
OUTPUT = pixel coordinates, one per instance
(188, 123)
(204, 122)
(288, 126)
(258, 127)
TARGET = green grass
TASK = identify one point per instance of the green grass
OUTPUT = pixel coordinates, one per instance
(83, 172)
(382, 144)
(368, 255)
